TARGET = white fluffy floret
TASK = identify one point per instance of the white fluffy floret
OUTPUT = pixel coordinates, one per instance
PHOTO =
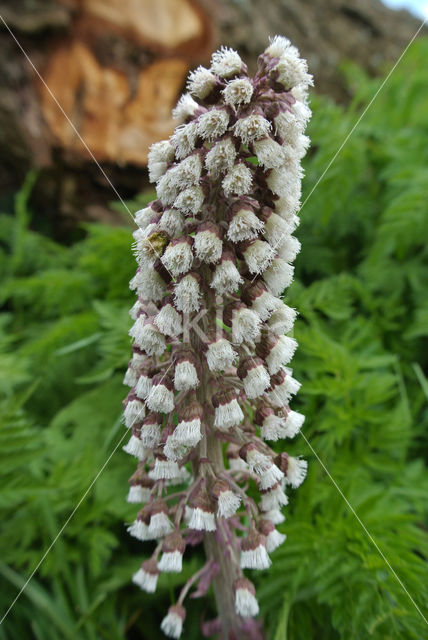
(252, 128)
(185, 108)
(171, 562)
(149, 284)
(274, 540)
(190, 200)
(226, 278)
(160, 525)
(184, 138)
(226, 63)
(160, 154)
(202, 520)
(221, 157)
(281, 353)
(148, 337)
(137, 494)
(256, 381)
(276, 229)
(278, 46)
(285, 182)
(289, 248)
(135, 448)
(172, 222)
(172, 625)
(178, 258)
(292, 70)
(244, 225)
(150, 435)
(133, 412)
(185, 376)
(293, 423)
(189, 171)
(258, 256)
(168, 321)
(145, 580)
(227, 504)
(245, 326)
(278, 276)
(265, 304)
(201, 82)
(143, 217)
(208, 246)
(255, 558)
(273, 499)
(164, 470)
(144, 384)
(269, 153)
(189, 433)
(220, 355)
(238, 91)
(213, 124)
(187, 294)
(274, 515)
(228, 415)
(160, 399)
(296, 471)
(237, 181)
(246, 604)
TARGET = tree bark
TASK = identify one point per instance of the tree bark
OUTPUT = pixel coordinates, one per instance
(116, 67)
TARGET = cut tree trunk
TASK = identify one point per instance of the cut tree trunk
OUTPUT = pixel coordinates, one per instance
(117, 67)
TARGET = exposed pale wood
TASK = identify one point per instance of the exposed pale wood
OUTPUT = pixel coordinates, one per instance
(167, 22)
(117, 123)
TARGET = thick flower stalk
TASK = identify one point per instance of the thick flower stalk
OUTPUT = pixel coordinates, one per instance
(210, 386)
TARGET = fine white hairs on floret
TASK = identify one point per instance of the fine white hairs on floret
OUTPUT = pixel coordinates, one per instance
(293, 71)
(189, 171)
(258, 255)
(278, 46)
(221, 157)
(244, 225)
(184, 138)
(143, 217)
(185, 108)
(296, 471)
(185, 376)
(269, 153)
(168, 321)
(228, 504)
(245, 326)
(252, 128)
(213, 124)
(187, 294)
(289, 248)
(238, 91)
(220, 355)
(201, 82)
(226, 63)
(281, 353)
(282, 320)
(190, 200)
(226, 278)
(237, 181)
(278, 276)
(160, 154)
(178, 258)
(171, 222)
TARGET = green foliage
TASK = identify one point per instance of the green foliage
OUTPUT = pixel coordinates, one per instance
(363, 318)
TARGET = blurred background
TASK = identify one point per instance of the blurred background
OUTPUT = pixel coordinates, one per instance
(117, 67)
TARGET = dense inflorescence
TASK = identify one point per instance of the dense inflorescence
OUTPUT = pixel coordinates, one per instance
(208, 375)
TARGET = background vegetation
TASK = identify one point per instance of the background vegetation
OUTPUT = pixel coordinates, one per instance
(363, 318)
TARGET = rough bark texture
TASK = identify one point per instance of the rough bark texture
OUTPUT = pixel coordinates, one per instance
(117, 67)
